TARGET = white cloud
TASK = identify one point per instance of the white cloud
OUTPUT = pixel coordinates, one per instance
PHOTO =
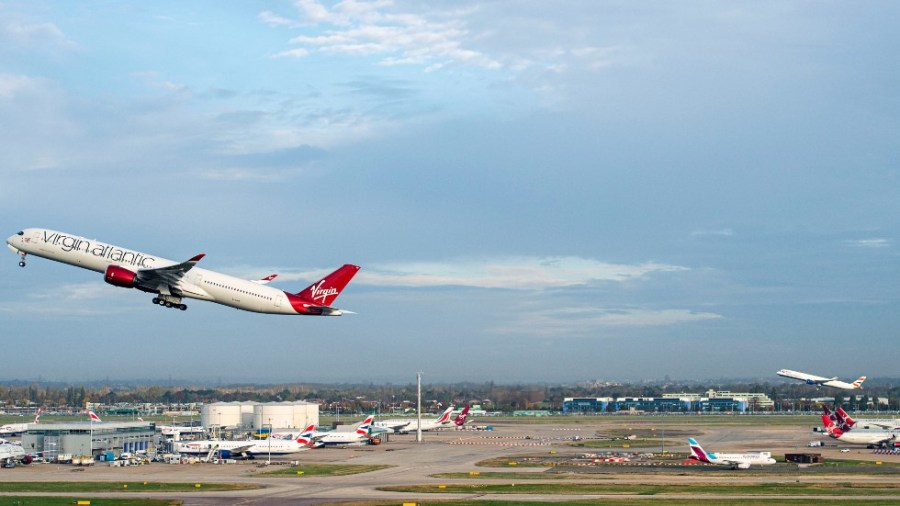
(12, 85)
(875, 242)
(34, 34)
(520, 273)
(722, 232)
(587, 321)
(364, 28)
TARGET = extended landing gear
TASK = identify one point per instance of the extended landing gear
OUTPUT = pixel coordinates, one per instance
(172, 302)
(22, 259)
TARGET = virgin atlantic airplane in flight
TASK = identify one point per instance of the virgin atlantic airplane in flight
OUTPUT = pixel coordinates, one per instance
(174, 281)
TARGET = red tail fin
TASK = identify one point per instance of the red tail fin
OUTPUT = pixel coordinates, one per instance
(845, 419)
(324, 291)
(461, 418)
(830, 428)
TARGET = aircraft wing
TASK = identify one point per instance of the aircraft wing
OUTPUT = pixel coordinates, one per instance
(161, 278)
(240, 450)
(885, 426)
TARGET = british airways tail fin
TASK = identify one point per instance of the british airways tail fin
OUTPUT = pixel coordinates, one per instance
(858, 383)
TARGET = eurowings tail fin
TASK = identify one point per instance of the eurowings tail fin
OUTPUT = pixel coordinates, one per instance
(697, 452)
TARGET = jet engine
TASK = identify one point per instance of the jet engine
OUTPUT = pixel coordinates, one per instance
(119, 276)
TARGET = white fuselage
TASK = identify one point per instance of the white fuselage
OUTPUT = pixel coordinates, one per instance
(868, 437)
(197, 283)
(812, 379)
(10, 451)
(254, 447)
(877, 424)
(741, 459)
(13, 428)
(337, 438)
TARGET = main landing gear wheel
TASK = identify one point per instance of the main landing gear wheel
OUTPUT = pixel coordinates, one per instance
(169, 304)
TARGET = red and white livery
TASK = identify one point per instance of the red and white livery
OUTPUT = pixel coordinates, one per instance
(174, 281)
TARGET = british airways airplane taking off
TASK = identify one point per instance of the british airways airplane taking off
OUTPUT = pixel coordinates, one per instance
(174, 281)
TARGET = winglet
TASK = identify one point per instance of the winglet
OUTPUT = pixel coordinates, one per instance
(266, 279)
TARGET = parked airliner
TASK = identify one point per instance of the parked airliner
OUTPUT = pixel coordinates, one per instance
(174, 281)
(249, 449)
(406, 426)
(812, 379)
(733, 460)
(12, 429)
(872, 438)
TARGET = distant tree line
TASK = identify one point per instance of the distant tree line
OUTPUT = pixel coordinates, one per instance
(384, 397)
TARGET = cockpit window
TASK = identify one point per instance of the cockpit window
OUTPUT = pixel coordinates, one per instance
(21, 233)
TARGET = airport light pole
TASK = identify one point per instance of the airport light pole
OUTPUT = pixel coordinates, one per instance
(269, 460)
(419, 407)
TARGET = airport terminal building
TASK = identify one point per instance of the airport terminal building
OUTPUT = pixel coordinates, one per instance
(82, 438)
(709, 402)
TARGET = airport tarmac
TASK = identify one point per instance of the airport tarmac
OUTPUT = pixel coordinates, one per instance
(457, 452)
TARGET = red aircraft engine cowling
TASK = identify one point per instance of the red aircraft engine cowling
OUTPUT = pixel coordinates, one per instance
(119, 276)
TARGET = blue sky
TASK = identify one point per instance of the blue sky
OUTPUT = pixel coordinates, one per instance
(535, 191)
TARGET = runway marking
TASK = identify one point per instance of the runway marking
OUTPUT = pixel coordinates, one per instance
(499, 441)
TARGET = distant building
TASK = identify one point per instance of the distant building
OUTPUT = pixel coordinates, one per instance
(710, 402)
(585, 404)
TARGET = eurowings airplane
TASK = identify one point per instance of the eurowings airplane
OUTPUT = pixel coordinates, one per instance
(734, 460)
(819, 380)
(174, 281)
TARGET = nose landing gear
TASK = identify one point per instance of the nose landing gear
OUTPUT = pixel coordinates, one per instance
(22, 258)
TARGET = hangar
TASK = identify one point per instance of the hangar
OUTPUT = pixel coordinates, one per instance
(82, 438)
